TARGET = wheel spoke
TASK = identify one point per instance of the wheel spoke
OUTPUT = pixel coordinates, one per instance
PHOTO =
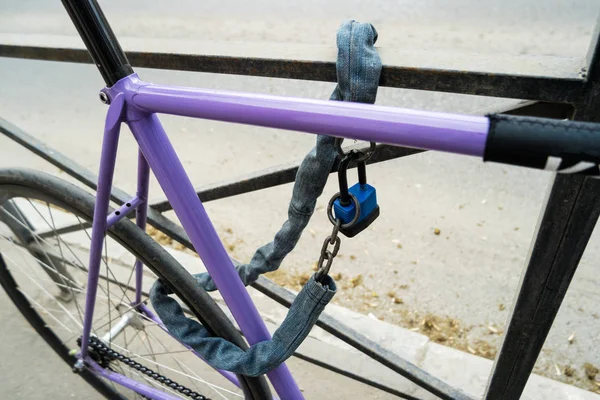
(149, 345)
(108, 290)
(43, 289)
(62, 256)
(192, 381)
(37, 238)
(133, 355)
(48, 313)
(43, 266)
(128, 281)
(212, 386)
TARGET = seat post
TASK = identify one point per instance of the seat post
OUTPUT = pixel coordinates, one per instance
(99, 39)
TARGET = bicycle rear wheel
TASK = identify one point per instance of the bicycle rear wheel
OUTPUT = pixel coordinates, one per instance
(44, 243)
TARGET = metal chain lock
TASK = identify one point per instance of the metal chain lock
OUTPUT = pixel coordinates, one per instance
(346, 227)
(327, 255)
(356, 206)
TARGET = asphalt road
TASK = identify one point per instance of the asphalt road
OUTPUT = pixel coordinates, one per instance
(486, 213)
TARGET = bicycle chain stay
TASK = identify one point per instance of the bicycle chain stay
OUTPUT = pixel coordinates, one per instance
(105, 355)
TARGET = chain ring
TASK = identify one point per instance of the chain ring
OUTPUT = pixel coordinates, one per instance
(330, 211)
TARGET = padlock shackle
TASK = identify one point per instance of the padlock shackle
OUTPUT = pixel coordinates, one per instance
(357, 156)
(343, 179)
(362, 173)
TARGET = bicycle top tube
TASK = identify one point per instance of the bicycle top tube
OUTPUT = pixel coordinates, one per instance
(462, 134)
(564, 146)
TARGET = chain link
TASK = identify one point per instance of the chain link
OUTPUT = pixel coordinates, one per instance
(328, 255)
(104, 355)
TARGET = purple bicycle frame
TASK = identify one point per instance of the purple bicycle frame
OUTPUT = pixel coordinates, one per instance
(136, 103)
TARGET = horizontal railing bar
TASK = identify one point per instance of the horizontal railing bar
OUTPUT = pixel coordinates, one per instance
(55, 157)
(64, 230)
(85, 176)
(529, 77)
(275, 176)
(542, 110)
(355, 377)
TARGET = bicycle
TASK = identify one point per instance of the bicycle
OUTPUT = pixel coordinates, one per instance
(568, 147)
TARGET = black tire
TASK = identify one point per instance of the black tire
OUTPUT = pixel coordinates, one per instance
(38, 185)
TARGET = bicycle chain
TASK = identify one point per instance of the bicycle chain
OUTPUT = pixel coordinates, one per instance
(105, 355)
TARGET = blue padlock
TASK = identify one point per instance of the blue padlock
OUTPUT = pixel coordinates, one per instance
(361, 196)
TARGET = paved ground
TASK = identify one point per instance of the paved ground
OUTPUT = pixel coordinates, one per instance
(486, 213)
(24, 377)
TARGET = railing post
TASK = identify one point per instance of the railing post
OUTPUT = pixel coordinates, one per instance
(563, 231)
